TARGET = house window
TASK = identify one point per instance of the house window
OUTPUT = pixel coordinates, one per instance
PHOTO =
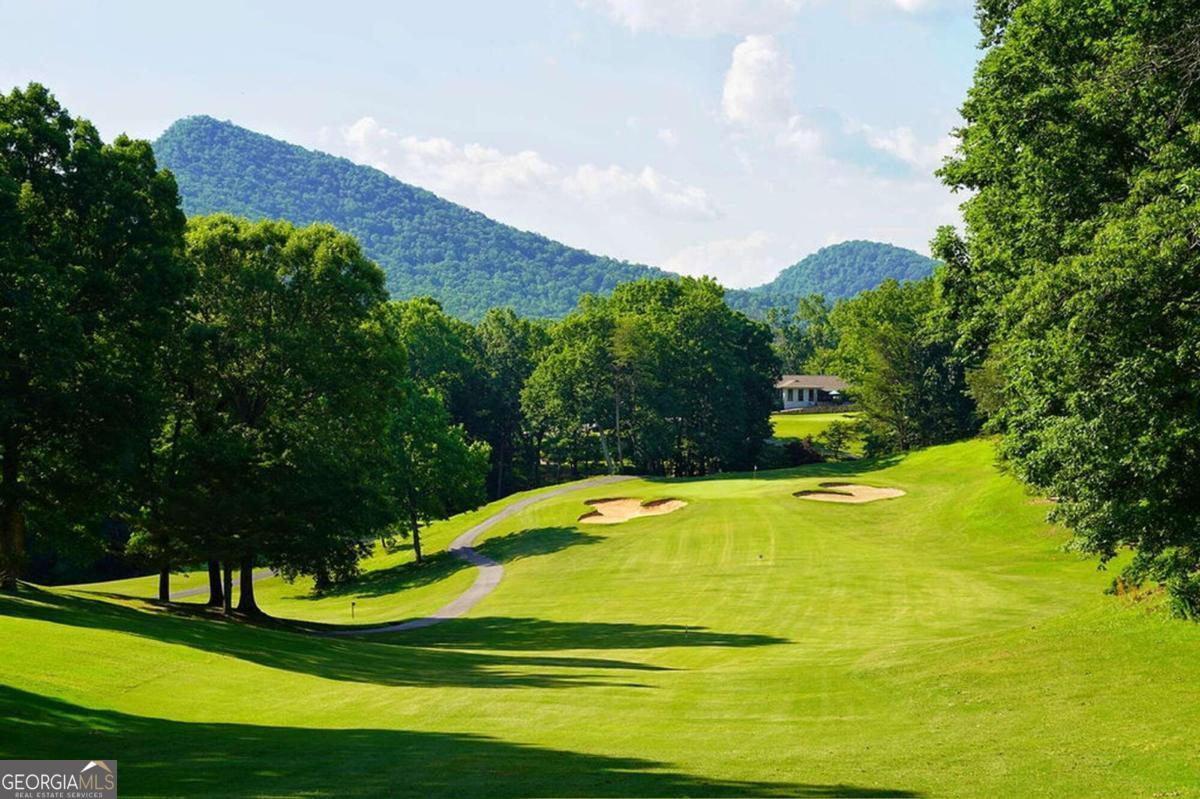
(791, 394)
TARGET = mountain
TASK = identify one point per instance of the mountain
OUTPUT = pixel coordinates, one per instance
(838, 271)
(430, 246)
(425, 245)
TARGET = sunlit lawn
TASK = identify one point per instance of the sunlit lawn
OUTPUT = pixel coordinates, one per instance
(750, 644)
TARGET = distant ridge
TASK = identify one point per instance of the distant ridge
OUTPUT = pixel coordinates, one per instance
(425, 244)
(842, 270)
(430, 246)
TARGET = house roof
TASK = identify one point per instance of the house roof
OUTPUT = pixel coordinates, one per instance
(822, 382)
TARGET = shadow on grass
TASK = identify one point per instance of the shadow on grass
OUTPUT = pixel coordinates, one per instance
(829, 469)
(159, 757)
(523, 634)
(503, 549)
(430, 659)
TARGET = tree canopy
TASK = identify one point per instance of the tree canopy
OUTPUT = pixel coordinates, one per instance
(466, 261)
(1076, 286)
(90, 235)
(662, 374)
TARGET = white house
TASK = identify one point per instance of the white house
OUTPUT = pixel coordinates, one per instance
(805, 391)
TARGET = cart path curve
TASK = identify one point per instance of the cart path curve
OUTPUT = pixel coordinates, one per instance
(490, 572)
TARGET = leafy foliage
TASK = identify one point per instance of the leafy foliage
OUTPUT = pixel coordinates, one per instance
(425, 245)
(1077, 284)
(662, 374)
(836, 272)
(803, 335)
(895, 349)
(90, 277)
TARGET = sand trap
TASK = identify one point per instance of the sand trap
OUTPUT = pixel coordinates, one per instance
(849, 493)
(622, 509)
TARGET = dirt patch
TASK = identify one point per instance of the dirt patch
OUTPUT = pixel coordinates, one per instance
(622, 509)
(851, 493)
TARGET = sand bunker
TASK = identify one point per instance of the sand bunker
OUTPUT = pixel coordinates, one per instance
(622, 509)
(850, 493)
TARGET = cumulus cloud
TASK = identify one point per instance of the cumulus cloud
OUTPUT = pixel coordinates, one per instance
(467, 172)
(739, 262)
(759, 85)
(668, 137)
(758, 96)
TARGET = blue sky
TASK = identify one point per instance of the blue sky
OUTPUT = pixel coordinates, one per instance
(723, 137)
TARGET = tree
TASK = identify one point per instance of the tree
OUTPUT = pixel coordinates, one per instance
(442, 356)
(1075, 284)
(803, 336)
(895, 349)
(438, 473)
(508, 348)
(279, 446)
(835, 439)
(90, 235)
(661, 374)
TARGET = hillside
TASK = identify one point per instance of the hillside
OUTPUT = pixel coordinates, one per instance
(426, 245)
(842, 270)
(937, 644)
(430, 246)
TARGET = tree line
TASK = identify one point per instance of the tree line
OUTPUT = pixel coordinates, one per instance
(234, 393)
(243, 394)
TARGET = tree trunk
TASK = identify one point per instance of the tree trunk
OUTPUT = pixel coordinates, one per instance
(617, 433)
(12, 547)
(12, 518)
(500, 470)
(216, 596)
(246, 603)
(416, 534)
(227, 598)
(164, 583)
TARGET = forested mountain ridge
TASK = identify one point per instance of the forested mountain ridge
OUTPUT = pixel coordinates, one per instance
(426, 245)
(429, 246)
(841, 271)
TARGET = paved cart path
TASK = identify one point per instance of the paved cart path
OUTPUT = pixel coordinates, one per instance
(490, 572)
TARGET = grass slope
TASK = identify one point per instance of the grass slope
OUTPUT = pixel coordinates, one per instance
(750, 644)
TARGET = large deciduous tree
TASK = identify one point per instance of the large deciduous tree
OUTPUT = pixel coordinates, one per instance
(90, 276)
(1076, 287)
(281, 446)
(895, 349)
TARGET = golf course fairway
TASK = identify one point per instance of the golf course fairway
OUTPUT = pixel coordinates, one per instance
(750, 643)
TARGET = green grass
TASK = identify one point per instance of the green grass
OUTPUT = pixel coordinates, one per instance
(811, 425)
(803, 425)
(750, 644)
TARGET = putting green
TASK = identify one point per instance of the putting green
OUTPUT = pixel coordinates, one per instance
(748, 644)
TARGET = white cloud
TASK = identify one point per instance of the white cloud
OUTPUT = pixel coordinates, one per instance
(704, 18)
(758, 96)
(699, 18)
(467, 173)
(739, 262)
(759, 85)
(614, 183)
(668, 137)
(903, 144)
